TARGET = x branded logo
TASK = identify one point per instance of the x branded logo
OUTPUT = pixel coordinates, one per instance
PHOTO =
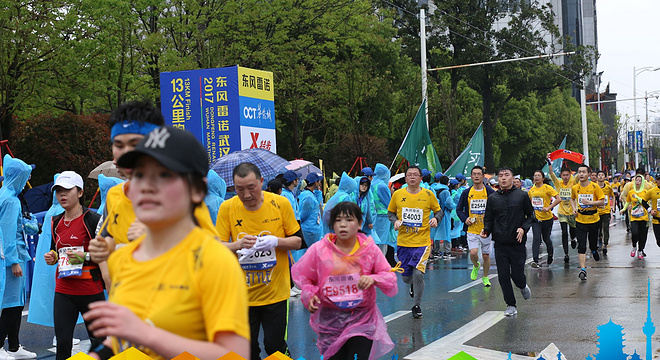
(116, 216)
(157, 138)
(403, 199)
(239, 223)
(255, 137)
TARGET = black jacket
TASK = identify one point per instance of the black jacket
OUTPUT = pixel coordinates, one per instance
(506, 211)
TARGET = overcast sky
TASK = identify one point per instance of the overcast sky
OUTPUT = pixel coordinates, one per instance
(629, 36)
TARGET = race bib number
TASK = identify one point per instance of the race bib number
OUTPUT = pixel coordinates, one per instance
(478, 206)
(583, 197)
(412, 217)
(65, 267)
(657, 205)
(260, 260)
(537, 203)
(565, 194)
(343, 291)
(637, 211)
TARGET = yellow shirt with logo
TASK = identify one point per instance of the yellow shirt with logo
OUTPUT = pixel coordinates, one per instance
(274, 217)
(564, 191)
(626, 188)
(476, 209)
(637, 211)
(607, 191)
(653, 197)
(119, 215)
(414, 210)
(591, 192)
(542, 197)
(194, 290)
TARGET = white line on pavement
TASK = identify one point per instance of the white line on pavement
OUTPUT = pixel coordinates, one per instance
(396, 315)
(471, 284)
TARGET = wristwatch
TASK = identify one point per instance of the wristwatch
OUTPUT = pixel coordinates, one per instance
(88, 257)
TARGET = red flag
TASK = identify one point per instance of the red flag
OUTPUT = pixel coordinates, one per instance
(568, 155)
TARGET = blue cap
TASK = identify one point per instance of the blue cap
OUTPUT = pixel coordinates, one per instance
(425, 172)
(460, 177)
(368, 172)
(364, 179)
(291, 175)
(453, 182)
(438, 175)
(312, 178)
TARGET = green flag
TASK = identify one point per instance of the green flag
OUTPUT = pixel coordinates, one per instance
(472, 155)
(417, 147)
(556, 164)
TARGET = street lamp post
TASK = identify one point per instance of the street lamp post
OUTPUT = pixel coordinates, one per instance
(635, 73)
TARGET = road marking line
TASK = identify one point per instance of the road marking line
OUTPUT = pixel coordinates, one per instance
(24, 313)
(471, 284)
(396, 315)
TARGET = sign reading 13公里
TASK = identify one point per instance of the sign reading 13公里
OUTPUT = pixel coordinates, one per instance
(228, 109)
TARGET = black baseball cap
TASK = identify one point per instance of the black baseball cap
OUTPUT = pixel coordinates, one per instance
(177, 150)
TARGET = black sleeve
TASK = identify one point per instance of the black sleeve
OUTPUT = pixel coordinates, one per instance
(303, 244)
(528, 210)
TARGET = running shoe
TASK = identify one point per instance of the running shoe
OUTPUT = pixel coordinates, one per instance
(475, 271)
(595, 255)
(633, 252)
(448, 256)
(411, 292)
(510, 311)
(486, 281)
(5, 356)
(605, 250)
(567, 258)
(583, 275)
(643, 253)
(526, 292)
(573, 243)
(416, 312)
(535, 265)
(551, 258)
(640, 256)
(22, 353)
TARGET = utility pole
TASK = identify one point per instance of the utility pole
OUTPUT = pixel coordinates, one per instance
(422, 36)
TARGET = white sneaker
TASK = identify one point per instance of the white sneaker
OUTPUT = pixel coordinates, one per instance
(75, 341)
(22, 353)
(295, 291)
(5, 356)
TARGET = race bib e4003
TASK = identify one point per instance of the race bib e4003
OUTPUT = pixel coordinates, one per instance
(412, 217)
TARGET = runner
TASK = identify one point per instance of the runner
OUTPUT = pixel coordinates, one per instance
(79, 281)
(585, 199)
(639, 217)
(509, 215)
(653, 198)
(349, 326)
(470, 209)
(261, 227)
(129, 124)
(604, 212)
(544, 198)
(14, 256)
(177, 288)
(409, 211)
(565, 213)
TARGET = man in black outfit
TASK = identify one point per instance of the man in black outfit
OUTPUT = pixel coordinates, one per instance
(509, 215)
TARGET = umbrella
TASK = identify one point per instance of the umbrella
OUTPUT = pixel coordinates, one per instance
(397, 177)
(108, 169)
(268, 163)
(304, 167)
(617, 174)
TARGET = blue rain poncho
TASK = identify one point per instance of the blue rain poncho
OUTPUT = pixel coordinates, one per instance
(367, 206)
(347, 191)
(310, 220)
(16, 174)
(216, 194)
(443, 231)
(105, 183)
(288, 194)
(457, 230)
(382, 196)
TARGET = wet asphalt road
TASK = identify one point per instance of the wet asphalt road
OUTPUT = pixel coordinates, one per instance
(563, 309)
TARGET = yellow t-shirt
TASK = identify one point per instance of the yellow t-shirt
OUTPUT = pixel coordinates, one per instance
(590, 192)
(653, 197)
(542, 197)
(274, 217)
(607, 191)
(637, 211)
(414, 210)
(477, 208)
(194, 290)
(120, 215)
(564, 191)
(624, 192)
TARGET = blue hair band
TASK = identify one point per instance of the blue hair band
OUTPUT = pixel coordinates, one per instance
(131, 127)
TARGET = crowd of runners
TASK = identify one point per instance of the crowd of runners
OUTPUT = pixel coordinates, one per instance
(175, 261)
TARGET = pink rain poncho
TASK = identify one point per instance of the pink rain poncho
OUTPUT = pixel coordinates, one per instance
(345, 311)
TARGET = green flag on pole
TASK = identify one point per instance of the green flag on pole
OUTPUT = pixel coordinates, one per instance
(417, 147)
(556, 164)
(472, 155)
